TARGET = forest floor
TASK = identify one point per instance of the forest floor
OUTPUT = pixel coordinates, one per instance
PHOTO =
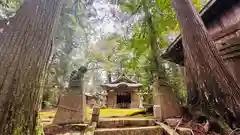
(116, 116)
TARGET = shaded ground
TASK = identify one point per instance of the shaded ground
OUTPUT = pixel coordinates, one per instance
(56, 129)
(107, 116)
(121, 118)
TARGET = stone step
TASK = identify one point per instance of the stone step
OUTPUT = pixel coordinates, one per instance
(121, 123)
(148, 130)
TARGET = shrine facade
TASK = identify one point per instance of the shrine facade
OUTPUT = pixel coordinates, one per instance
(122, 93)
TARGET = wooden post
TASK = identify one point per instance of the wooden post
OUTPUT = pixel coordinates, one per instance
(95, 114)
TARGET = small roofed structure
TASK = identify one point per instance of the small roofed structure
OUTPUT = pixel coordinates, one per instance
(222, 20)
(122, 93)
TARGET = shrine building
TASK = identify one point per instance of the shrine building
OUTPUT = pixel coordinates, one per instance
(122, 93)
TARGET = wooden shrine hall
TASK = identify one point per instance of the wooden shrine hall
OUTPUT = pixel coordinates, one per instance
(122, 93)
(222, 20)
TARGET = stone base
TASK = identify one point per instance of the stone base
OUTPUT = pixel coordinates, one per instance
(167, 100)
(70, 109)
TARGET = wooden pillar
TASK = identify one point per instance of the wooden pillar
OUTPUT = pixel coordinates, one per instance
(111, 99)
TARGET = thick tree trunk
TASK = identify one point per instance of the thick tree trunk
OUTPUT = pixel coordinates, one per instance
(208, 77)
(24, 53)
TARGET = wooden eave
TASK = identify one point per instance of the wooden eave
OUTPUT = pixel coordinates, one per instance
(174, 52)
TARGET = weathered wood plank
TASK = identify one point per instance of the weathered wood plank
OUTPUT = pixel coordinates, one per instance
(229, 50)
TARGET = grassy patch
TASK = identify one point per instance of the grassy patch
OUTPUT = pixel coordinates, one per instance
(47, 114)
(117, 112)
(104, 113)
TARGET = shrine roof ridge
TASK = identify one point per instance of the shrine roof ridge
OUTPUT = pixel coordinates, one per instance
(123, 78)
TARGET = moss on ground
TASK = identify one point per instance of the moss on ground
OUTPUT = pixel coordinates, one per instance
(117, 112)
(47, 116)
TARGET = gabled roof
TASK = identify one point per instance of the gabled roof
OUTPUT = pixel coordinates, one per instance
(121, 85)
(122, 81)
(212, 10)
(123, 78)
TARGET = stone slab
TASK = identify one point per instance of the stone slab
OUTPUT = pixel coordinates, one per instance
(150, 130)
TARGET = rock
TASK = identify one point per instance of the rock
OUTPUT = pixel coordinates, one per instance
(167, 129)
(172, 122)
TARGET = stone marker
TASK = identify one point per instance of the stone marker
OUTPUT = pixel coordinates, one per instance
(95, 114)
(71, 106)
(157, 112)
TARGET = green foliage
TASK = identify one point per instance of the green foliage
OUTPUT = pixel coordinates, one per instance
(155, 22)
(8, 8)
(39, 127)
(175, 77)
(148, 41)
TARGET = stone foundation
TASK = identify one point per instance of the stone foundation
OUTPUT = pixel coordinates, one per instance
(71, 109)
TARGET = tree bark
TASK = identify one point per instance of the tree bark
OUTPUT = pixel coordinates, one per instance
(24, 53)
(3, 24)
(208, 77)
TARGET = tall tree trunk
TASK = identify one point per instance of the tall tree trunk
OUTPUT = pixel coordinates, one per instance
(109, 77)
(24, 53)
(162, 92)
(209, 79)
(109, 74)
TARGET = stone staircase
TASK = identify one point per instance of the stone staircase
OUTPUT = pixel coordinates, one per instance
(128, 127)
(148, 130)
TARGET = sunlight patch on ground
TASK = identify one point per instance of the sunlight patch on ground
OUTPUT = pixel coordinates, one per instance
(105, 114)
(117, 112)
